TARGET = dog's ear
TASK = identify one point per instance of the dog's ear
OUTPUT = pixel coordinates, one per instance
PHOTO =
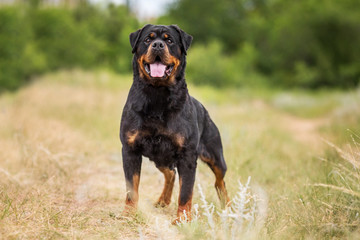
(185, 38)
(134, 37)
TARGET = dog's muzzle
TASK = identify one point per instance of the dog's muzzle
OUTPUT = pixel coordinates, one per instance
(157, 68)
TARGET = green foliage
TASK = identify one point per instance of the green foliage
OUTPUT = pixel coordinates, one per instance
(112, 27)
(35, 39)
(287, 44)
(207, 20)
(307, 44)
(64, 43)
(13, 41)
(208, 65)
(312, 46)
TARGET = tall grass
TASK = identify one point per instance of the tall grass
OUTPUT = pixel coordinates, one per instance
(341, 190)
(236, 220)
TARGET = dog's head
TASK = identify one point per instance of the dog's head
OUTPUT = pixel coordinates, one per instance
(159, 53)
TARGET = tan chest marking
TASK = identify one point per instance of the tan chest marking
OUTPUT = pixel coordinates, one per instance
(179, 140)
(176, 138)
(131, 137)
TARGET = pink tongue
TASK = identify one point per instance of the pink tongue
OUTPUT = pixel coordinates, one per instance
(157, 69)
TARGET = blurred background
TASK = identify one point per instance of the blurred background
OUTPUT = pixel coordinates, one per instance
(308, 44)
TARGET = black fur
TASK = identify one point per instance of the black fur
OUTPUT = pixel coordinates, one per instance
(163, 122)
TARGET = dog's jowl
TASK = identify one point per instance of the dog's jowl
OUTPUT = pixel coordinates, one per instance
(163, 122)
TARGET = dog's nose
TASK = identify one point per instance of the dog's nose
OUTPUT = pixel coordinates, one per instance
(158, 45)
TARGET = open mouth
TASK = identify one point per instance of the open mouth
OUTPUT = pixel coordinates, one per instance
(158, 69)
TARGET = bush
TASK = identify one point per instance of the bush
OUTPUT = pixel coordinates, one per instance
(207, 64)
(306, 44)
(311, 46)
(13, 41)
(63, 42)
(35, 39)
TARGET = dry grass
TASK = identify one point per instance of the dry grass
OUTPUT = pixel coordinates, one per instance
(61, 171)
(57, 173)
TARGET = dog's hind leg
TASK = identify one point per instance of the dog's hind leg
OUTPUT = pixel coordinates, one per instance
(211, 152)
(165, 197)
(219, 172)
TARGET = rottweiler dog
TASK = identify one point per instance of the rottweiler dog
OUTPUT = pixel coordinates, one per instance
(161, 121)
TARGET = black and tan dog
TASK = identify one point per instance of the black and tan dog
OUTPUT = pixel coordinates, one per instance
(163, 122)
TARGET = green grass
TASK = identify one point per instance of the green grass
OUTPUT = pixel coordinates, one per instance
(61, 172)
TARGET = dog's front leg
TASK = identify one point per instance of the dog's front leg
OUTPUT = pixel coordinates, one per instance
(132, 169)
(187, 170)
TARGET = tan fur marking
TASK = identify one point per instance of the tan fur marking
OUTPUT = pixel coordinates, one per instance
(142, 72)
(132, 197)
(176, 63)
(219, 182)
(165, 197)
(136, 181)
(131, 137)
(206, 160)
(176, 138)
(184, 211)
(179, 140)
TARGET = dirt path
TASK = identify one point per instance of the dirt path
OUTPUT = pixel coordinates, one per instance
(305, 131)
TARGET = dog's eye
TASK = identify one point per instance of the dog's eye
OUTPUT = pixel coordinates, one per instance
(147, 40)
(169, 40)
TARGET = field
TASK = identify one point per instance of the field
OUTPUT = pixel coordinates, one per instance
(61, 169)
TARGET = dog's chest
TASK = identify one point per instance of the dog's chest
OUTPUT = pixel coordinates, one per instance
(156, 143)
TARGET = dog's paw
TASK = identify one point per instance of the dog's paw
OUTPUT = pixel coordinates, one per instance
(183, 217)
(161, 204)
(129, 210)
